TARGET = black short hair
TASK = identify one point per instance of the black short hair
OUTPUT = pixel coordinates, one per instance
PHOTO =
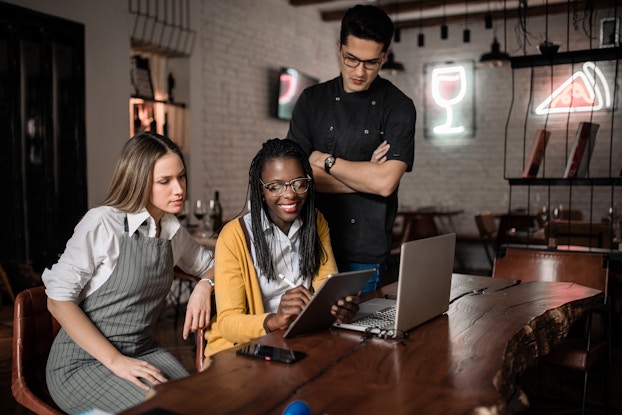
(367, 22)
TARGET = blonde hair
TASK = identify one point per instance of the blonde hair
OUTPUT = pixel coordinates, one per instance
(130, 187)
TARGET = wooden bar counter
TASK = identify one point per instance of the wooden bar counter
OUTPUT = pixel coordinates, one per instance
(468, 361)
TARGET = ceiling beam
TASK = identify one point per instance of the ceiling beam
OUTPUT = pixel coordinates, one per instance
(563, 7)
(400, 7)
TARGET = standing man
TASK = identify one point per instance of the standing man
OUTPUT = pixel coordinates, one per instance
(358, 130)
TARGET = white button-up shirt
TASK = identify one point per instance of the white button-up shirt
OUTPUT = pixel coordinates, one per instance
(92, 252)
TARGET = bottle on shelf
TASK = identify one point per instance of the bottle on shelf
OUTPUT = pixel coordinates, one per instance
(215, 213)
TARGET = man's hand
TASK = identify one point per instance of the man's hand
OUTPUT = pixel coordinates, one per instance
(346, 308)
(380, 153)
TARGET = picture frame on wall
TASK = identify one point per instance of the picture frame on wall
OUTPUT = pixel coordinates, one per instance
(141, 77)
(609, 32)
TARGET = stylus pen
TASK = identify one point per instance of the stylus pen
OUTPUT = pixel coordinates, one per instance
(291, 284)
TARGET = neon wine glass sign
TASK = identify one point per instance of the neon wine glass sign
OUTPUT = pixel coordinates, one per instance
(449, 85)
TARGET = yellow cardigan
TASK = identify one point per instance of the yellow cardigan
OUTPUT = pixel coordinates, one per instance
(239, 304)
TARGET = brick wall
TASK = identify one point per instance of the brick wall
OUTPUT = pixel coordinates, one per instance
(243, 43)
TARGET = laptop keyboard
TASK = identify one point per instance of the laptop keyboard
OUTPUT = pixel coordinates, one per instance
(381, 318)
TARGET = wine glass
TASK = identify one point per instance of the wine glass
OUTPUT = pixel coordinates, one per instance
(183, 214)
(544, 214)
(199, 212)
(448, 89)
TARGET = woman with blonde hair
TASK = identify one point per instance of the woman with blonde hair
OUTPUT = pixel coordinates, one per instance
(110, 284)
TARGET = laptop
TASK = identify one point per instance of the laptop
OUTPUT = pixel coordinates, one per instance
(423, 291)
(316, 315)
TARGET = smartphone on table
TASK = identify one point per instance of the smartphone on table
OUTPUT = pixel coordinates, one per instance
(271, 353)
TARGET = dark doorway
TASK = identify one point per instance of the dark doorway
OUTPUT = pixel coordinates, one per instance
(42, 133)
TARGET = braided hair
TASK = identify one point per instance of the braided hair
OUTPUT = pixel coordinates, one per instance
(311, 251)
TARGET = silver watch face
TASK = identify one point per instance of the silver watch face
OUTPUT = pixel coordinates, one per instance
(329, 162)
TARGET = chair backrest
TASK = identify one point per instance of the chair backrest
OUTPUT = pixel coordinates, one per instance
(419, 227)
(486, 225)
(572, 214)
(5, 285)
(200, 350)
(34, 330)
(587, 269)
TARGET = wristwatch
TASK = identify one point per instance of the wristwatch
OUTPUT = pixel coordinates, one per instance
(328, 163)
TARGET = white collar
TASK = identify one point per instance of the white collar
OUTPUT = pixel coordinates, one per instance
(169, 224)
(266, 224)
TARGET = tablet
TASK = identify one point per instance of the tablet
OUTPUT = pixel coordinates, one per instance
(316, 315)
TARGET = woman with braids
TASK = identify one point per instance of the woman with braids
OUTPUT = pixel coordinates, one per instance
(269, 261)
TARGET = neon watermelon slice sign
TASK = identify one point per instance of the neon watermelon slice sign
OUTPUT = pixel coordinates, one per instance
(579, 93)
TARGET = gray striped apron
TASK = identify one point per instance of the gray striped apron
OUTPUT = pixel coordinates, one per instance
(125, 309)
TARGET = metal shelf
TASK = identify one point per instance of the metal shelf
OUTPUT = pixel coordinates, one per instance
(561, 58)
(599, 181)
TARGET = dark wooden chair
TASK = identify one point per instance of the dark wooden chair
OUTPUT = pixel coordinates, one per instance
(573, 232)
(182, 279)
(487, 228)
(34, 330)
(414, 226)
(200, 352)
(587, 269)
(5, 285)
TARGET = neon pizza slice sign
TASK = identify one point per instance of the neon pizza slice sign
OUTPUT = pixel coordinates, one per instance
(579, 93)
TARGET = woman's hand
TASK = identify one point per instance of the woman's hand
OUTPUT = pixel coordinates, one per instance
(346, 308)
(133, 370)
(199, 308)
(292, 303)
(82, 330)
(380, 153)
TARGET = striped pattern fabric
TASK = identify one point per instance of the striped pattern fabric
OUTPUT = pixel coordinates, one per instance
(125, 309)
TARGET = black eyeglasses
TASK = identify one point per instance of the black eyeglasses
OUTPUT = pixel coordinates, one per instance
(370, 64)
(386, 334)
(277, 187)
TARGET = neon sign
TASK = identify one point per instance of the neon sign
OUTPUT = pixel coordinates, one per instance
(579, 93)
(448, 89)
(450, 99)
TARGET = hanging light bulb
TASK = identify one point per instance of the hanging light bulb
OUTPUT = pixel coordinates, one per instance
(488, 18)
(420, 36)
(466, 33)
(444, 28)
(397, 33)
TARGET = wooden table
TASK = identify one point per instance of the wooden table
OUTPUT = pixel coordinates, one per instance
(466, 361)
